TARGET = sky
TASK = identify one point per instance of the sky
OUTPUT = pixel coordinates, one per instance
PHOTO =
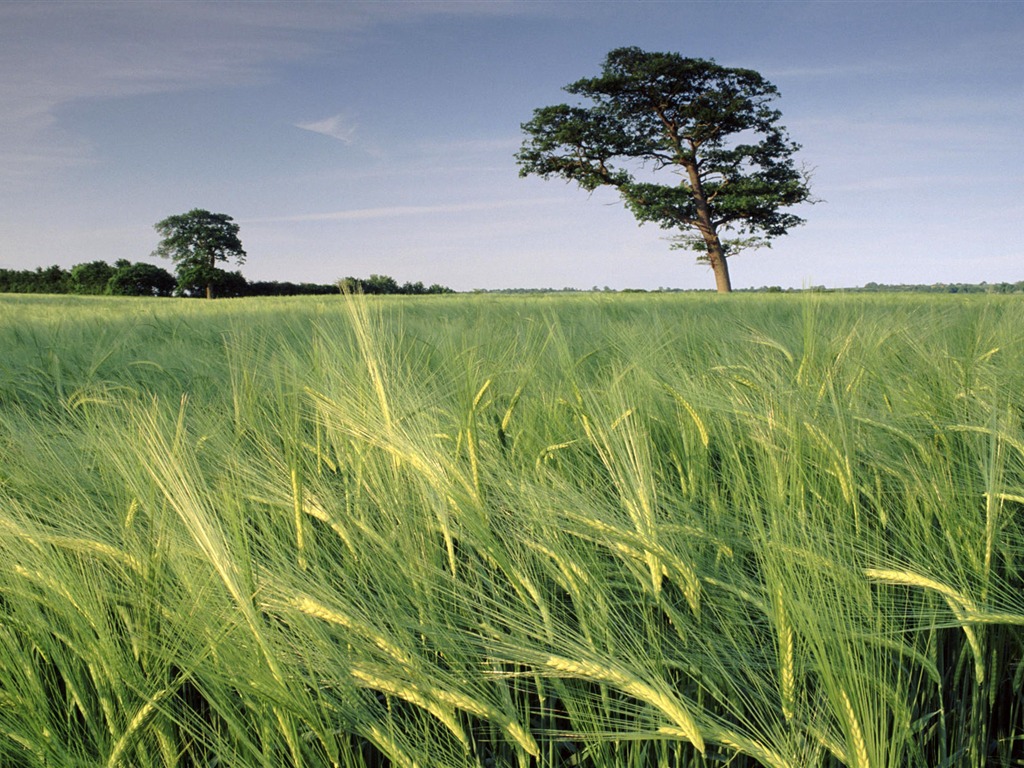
(358, 138)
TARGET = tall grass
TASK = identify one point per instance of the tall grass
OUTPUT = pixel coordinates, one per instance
(492, 531)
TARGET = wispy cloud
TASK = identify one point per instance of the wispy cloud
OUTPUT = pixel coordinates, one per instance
(400, 211)
(58, 53)
(337, 127)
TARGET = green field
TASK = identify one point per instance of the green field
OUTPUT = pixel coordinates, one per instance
(591, 530)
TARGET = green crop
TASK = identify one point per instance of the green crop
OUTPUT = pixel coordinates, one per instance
(594, 530)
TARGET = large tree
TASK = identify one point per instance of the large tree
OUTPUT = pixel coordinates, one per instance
(713, 127)
(196, 242)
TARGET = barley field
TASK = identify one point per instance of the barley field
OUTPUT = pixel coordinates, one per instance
(566, 530)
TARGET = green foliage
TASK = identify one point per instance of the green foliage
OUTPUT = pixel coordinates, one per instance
(592, 530)
(53, 279)
(380, 285)
(196, 242)
(279, 288)
(126, 278)
(223, 284)
(712, 127)
(91, 278)
(140, 279)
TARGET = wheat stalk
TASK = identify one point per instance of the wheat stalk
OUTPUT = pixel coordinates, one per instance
(859, 745)
(390, 746)
(636, 688)
(412, 694)
(961, 606)
(786, 655)
(310, 607)
(140, 717)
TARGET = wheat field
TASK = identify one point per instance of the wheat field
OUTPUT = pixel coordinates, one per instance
(566, 530)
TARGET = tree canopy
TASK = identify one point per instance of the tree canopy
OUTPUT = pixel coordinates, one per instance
(140, 279)
(196, 242)
(91, 278)
(713, 127)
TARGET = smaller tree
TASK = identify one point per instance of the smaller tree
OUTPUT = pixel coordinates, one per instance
(380, 284)
(91, 278)
(196, 242)
(53, 279)
(140, 279)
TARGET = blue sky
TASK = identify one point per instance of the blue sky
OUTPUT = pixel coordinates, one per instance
(351, 138)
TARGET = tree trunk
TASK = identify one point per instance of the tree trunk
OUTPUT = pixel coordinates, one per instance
(212, 265)
(719, 265)
(708, 230)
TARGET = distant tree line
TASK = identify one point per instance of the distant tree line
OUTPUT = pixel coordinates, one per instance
(981, 287)
(382, 284)
(126, 278)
